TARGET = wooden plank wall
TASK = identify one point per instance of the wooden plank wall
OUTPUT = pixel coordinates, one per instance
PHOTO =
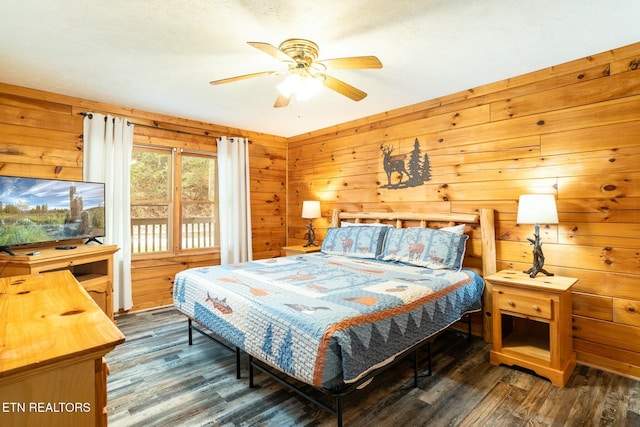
(572, 130)
(41, 136)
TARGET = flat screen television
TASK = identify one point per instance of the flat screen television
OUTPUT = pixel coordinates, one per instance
(34, 210)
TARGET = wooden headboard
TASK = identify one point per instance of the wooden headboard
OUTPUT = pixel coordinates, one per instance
(481, 250)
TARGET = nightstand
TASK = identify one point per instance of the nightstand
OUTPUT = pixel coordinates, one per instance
(532, 323)
(300, 249)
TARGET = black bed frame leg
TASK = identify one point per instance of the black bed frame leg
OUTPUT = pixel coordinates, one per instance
(238, 363)
(190, 334)
(339, 410)
(250, 372)
(415, 368)
(429, 357)
(469, 328)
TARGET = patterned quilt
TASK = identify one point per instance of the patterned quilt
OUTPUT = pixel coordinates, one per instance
(326, 320)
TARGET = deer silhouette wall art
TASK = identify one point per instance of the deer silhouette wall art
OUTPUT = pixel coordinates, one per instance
(417, 169)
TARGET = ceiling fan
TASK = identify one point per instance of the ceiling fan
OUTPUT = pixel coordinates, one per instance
(300, 56)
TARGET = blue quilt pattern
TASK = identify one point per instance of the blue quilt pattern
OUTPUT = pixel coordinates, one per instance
(325, 319)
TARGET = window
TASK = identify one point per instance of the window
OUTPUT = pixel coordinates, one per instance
(199, 196)
(170, 187)
(151, 200)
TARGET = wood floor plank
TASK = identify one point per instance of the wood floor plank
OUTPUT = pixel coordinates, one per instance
(157, 379)
(553, 409)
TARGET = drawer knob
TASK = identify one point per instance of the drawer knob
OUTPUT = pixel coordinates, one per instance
(511, 303)
(535, 308)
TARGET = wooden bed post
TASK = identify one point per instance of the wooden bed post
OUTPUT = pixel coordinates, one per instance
(488, 233)
(335, 218)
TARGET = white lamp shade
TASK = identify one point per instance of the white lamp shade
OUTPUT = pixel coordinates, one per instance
(537, 209)
(311, 209)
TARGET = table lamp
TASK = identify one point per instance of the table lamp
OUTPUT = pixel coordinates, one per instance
(537, 209)
(311, 210)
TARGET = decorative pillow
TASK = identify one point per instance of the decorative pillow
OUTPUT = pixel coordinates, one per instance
(357, 242)
(455, 228)
(425, 247)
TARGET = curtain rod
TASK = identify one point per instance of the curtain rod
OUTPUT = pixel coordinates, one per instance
(129, 122)
(90, 115)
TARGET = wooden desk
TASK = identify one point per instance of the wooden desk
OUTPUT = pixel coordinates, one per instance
(53, 338)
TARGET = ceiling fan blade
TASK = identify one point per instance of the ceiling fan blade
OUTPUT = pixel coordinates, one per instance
(271, 50)
(343, 88)
(245, 76)
(354, 62)
(282, 101)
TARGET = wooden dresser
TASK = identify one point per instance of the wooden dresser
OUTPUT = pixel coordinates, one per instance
(53, 339)
(91, 265)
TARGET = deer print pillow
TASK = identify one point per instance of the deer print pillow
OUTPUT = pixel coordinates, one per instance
(357, 242)
(425, 247)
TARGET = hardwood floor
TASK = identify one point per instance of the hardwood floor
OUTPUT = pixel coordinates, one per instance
(157, 379)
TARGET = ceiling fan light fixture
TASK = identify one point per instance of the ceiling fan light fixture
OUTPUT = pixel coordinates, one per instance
(309, 87)
(302, 88)
(290, 85)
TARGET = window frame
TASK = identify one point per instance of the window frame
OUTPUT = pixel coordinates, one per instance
(175, 205)
(179, 207)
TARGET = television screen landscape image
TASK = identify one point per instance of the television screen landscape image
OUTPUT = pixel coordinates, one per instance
(36, 210)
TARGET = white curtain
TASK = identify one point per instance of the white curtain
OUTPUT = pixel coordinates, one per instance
(108, 143)
(235, 207)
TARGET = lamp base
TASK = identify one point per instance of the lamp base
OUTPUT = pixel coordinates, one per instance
(533, 272)
(538, 256)
(311, 235)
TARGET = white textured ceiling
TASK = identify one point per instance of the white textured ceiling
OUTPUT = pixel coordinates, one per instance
(159, 55)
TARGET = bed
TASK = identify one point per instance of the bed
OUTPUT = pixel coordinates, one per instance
(382, 287)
